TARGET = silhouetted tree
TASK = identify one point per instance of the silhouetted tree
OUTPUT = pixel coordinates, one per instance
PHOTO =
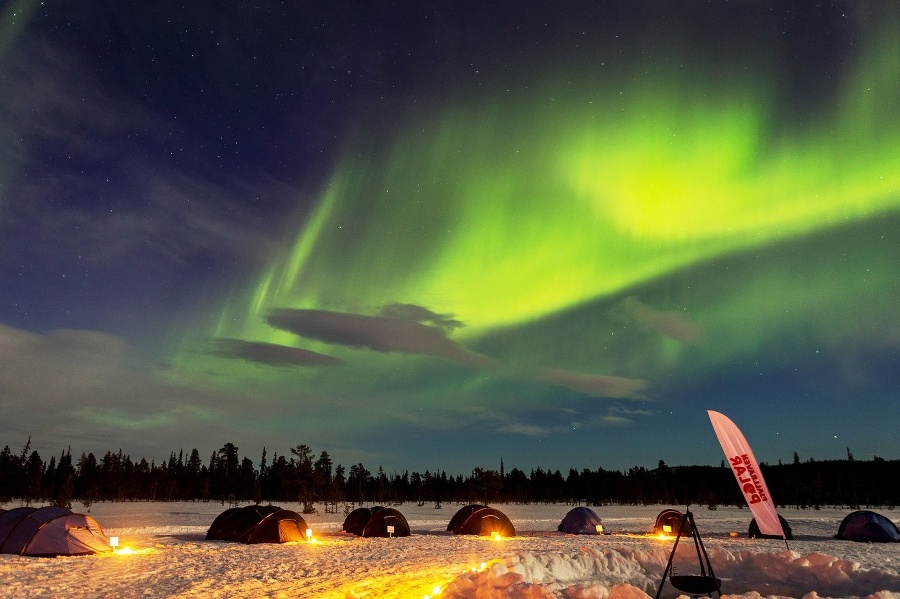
(116, 477)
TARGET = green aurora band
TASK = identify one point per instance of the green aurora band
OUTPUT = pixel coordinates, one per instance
(507, 211)
(665, 228)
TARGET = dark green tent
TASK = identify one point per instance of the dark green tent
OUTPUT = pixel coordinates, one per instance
(258, 524)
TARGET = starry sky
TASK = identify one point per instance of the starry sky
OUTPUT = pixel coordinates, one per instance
(435, 235)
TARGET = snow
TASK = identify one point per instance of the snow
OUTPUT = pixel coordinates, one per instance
(170, 558)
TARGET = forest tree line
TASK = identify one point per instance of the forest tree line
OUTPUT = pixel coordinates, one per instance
(306, 478)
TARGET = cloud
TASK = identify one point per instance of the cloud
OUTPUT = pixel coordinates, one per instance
(669, 323)
(595, 384)
(549, 423)
(620, 416)
(67, 360)
(76, 386)
(271, 354)
(615, 416)
(528, 430)
(403, 333)
(555, 420)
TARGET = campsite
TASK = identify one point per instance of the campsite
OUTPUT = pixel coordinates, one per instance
(362, 299)
(168, 555)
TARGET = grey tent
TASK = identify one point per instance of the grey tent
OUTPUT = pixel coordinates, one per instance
(581, 521)
(867, 526)
(50, 531)
(486, 521)
(257, 524)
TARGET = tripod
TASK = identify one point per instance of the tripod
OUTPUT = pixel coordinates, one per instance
(694, 585)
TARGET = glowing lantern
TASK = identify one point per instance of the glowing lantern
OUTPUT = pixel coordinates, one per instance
(114, 542)
(390, 530)
(667, 529)
(309, 535)
(599, 529)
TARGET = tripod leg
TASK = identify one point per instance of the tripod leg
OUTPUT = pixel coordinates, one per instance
(665, 575)
(706, 568)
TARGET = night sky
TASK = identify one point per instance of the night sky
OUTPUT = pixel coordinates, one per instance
(435, 235)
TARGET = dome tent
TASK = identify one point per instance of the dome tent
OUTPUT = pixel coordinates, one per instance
(581, 521)
(9, 520)
(867, 526)
(669, 521)
(754, 533)
(257, 524)
(355, 522)
(50, 531)
(486, 521)
(462, 514)
(222, 525)
(381, 519)
(374, 522)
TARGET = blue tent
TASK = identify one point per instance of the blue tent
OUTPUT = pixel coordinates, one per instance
(867, 526)
(581, 521)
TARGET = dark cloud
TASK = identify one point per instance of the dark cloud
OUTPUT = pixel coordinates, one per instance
(271, 353)
(595, 384)
(669, 323)
(414, 313)
(379, 333)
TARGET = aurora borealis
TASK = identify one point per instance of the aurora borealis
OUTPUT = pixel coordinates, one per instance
(437, 237)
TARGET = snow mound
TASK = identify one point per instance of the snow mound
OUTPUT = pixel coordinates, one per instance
(625, 573)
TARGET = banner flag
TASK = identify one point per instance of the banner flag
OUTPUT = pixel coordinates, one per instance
(747, 473)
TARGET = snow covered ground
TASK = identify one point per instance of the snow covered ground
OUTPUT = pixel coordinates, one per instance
(170, 558)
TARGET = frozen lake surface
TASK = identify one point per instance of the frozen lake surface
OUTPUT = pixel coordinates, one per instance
(171, 558)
